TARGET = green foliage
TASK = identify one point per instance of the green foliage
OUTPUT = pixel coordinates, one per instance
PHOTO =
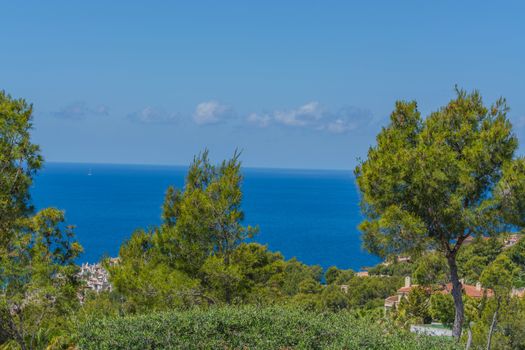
(307, 302)
(144, 282)
(262, 273)
(333, 299)
(38, 280)
(431, 269)
(498, 276)
(510, 324)
(332, 274)
(295, 272)
(398, 269)
(249, 328)
(38, 285)
(499, 318)
(516, 254)
(431, 183)
(310, 286)
(335, 275)
(223, 281)
(19, 161)
(206, 217)
(363, 291)
(198, 256)
(414, 309)
(155, 288)
(428, 182)
(99, 305)
(474, 257)
(188, 259)
(442, 308)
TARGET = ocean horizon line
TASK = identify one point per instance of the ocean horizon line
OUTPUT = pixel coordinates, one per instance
(180, 166)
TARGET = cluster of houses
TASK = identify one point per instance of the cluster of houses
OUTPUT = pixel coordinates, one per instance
(508, 241)
(95, 276)
(473, 291)
(511, 240)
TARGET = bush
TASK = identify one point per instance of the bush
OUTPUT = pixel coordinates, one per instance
(249, 328)
(442, 308)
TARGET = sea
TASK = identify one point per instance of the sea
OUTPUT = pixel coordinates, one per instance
(308, 214)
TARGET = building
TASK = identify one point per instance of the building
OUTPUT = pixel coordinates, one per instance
(472, 291)
(95, 276)
(508, 242)
(476, 291)
(393, 301)
(403, 259)
(511, 240)
(518, 292)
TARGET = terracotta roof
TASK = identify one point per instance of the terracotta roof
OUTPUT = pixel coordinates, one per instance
(512, 240)
(520, 293)
(391, 300)
(406, 289)
(470, 290)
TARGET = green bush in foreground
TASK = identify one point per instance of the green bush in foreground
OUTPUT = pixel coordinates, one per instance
(249, 328)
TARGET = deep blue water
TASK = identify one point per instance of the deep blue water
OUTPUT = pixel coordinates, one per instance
(312, 215)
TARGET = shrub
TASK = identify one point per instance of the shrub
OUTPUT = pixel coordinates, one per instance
(249, 328)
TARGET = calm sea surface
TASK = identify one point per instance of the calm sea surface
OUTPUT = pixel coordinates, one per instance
(309, 214)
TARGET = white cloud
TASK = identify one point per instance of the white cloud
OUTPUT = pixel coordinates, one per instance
(80, 111)
(314, 116)
(210, 112)
(305, 115)
(261, 120)
(349, 119)
(340, 126)
(152, 115)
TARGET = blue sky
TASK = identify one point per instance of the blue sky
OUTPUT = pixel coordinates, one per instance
(300, 84)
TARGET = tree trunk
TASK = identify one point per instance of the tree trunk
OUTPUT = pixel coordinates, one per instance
(492, 327)
(228, 294)
(457, 296)
(469, 339)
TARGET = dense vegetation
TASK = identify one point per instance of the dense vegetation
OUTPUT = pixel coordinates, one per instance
(250, 328)
(431, 183)
(198, 281)
(497, 268)
(38, 284)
